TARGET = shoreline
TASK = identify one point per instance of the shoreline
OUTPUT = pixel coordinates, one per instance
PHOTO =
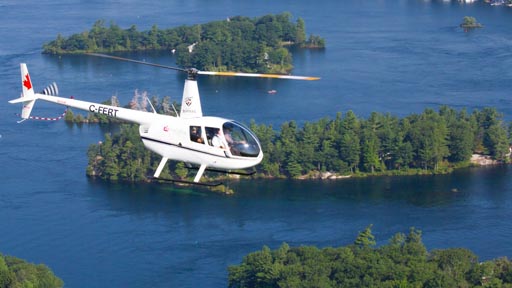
(477, 160)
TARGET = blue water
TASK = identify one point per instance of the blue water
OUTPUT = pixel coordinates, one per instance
(386, 56)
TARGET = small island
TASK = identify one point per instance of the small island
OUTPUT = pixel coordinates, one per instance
(470, 22)
(242, 44)
(403, 261)
(433, 142)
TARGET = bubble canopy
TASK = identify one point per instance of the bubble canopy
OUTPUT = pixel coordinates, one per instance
(241, 140)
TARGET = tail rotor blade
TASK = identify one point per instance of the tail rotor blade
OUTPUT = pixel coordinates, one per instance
(52, 89)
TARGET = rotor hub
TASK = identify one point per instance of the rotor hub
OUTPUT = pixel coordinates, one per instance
(192, 73)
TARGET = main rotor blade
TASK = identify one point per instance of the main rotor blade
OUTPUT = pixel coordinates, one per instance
(193, 71)
(258, 75)
(138, 62)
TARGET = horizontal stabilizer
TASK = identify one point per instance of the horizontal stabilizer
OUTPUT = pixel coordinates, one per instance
(23, 99)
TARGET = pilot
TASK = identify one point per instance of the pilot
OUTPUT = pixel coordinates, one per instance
(227, 135)
(195, 134)
(231, 142)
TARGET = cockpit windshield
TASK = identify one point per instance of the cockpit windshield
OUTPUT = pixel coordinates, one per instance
(240, 140)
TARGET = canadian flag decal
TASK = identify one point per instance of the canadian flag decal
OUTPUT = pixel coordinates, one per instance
(26, 82)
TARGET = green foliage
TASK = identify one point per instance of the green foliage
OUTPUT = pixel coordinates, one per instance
(69, 115)
(431, 142)
(403, 262)
(470, 22)
(365, 239)
(121, 157)
(456, 263)
(15, 272)
(235, 44)
(461, 138)
(181, 170)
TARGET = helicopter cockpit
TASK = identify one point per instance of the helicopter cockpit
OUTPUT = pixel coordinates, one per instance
(240, 140)
(232, 136)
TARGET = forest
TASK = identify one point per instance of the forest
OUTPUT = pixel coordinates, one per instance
(403, 262)
(15, 272)
(432, 142)
(238, 43)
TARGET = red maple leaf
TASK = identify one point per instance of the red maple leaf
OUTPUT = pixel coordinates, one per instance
(27, 83)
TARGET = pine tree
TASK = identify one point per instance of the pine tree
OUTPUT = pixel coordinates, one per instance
(365, 239)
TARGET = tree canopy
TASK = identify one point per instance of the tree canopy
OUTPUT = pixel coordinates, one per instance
(403, 262)
(235, 44)
(470, 22)
(15, 272)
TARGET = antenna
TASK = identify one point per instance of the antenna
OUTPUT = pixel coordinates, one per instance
(151, 104)
(174, 108)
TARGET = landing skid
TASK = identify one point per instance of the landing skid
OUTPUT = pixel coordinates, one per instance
(200, 172)
(215, 184)
(225, 171)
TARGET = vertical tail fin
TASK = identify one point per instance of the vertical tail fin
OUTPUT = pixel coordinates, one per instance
(28, 97)
(191, 103)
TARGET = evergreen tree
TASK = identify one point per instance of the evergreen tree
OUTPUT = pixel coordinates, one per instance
(370, 147)
(181, 170)
(300, 34)
(349, 142)
(461, 140)
(365, 238)
(308, 147)
(496, 142)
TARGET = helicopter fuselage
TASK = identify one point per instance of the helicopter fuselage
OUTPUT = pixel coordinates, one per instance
(170, 136)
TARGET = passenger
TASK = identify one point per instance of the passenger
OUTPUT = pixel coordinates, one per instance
(218, 140)
(195, 134)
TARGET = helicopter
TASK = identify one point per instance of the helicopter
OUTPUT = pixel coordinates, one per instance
(205, 143)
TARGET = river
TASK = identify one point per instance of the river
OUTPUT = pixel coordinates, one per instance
(396, 57)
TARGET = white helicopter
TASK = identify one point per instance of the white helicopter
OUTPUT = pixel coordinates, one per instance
(213, 143)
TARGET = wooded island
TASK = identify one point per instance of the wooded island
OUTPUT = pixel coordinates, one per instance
(403, 262)
(432, 142)
(238, 43)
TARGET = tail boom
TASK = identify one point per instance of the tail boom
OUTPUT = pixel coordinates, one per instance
(29, 97)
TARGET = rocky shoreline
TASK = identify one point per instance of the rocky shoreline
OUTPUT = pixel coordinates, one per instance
(483, 160)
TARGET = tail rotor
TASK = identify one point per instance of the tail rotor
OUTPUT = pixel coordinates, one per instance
(51, 90)
(28, 97)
